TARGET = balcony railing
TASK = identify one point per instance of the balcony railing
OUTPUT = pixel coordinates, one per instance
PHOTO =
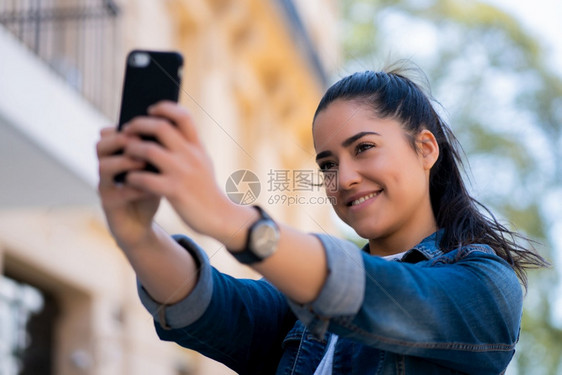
(77, 39)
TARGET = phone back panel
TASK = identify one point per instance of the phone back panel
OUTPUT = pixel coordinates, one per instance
(147, 84)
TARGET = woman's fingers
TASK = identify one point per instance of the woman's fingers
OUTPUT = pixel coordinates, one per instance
(151, 152)
(176, 151)
(112, 161)
(169, 123)
(149, 182)
(159, 128)
(111, 166)
(179, 116)
(110, 142)
(172, 128)
(108, 131)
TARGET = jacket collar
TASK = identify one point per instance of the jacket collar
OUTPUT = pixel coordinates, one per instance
(428, 248)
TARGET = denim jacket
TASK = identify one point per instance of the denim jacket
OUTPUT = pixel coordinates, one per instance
(428, 313)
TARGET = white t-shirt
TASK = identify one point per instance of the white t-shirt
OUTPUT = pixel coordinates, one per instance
(325, 366)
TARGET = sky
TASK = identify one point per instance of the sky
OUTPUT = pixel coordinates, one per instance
(543, 18)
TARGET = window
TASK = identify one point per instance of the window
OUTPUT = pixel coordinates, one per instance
(77, 39)
(27, 317)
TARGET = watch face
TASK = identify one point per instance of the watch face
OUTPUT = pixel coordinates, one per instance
(265, 237)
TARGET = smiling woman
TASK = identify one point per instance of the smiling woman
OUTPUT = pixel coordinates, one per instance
(407, 127)
(449, 302)
(383, 182)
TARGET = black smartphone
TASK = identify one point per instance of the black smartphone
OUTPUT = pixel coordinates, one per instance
(150, 76)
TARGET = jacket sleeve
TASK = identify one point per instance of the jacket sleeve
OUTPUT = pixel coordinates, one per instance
(238, 322)
(460, 310)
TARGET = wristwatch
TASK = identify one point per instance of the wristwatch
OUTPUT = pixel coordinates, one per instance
(262, 240)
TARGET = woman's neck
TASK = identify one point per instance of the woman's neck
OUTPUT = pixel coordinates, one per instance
(400, 241)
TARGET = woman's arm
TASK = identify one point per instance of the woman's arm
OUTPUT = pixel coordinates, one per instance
(297, 267)
(238, 322)
(177, 284)
(186, 179)
(461, 310)
(470, 307)
(164, 268)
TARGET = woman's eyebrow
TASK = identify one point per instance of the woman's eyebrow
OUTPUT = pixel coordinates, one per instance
(355, 137)
(346, 143)
(323, 154)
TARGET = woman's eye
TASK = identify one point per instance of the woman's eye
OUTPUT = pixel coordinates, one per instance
(361, 147)
(326, 166)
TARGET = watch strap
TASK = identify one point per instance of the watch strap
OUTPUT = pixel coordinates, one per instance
(247, 256)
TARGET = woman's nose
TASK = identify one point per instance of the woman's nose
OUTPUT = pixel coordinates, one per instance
(347, 176)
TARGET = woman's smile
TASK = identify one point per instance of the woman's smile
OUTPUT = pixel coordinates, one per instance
(382, 180)
(363, 200)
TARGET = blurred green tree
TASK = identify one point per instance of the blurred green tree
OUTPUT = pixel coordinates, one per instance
(504, 104)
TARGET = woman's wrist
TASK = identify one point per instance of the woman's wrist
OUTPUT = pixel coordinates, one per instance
(232, 229)
(148, 241)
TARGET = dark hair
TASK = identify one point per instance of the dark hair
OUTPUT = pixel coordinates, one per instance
(390, 94)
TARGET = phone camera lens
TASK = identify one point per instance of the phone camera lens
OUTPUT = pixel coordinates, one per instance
(139, 59)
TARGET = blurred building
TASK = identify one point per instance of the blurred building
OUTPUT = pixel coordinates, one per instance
(254, 72)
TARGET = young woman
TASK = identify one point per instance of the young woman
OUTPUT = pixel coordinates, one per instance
(449, 301)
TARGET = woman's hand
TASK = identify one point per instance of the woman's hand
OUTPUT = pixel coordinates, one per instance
(186, 179)
(186, 175)
(129, 211)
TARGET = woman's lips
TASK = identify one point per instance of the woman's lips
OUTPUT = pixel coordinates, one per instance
(361, 199)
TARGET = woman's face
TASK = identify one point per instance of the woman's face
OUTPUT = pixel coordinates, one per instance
(382, 182)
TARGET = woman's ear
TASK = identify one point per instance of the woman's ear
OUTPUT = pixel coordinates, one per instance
(428, 148)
